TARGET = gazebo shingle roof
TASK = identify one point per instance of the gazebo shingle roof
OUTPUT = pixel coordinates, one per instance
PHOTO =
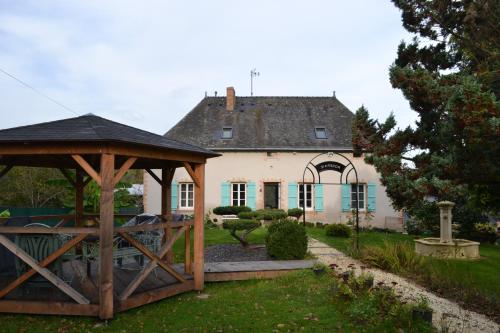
(92, 128)
(267, 123)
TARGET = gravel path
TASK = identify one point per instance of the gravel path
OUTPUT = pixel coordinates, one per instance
(235, 252)
(448, 316)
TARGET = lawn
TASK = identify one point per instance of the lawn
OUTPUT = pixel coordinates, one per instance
(472, 283)
(298, 302)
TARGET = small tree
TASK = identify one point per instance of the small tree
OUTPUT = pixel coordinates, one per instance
(245, 226)
(295, 212)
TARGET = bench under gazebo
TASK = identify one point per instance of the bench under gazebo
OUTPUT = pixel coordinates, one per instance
(94, 148)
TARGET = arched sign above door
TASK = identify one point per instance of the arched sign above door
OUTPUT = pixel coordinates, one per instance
(319, 165)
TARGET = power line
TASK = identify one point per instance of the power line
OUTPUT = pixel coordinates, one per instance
(38, 92)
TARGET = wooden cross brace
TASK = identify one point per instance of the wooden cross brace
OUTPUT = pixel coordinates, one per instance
(155, 260)
(39, 267)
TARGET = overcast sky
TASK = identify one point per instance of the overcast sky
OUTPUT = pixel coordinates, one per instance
(148, 63)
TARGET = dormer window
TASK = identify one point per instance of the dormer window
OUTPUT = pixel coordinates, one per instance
(227, 133)
(320, 132)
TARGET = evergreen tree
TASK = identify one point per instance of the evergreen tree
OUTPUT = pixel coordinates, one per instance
(450, 74)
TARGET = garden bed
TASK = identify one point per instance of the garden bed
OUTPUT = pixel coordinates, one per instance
(235, 253)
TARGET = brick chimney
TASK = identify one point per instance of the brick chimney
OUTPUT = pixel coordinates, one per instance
(230, 99)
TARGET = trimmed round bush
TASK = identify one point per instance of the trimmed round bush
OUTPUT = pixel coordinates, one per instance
(338, 230)
(271, 214)
(247, 215)
(286, 239)
(244, 226)
(295, 212)
(231, 210)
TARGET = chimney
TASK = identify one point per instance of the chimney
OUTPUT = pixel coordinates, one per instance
(230, 99)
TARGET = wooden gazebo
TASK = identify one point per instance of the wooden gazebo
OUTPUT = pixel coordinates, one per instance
(102, 150)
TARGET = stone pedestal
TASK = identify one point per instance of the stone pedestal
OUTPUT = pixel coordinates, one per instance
(445, 246)
(445, 217)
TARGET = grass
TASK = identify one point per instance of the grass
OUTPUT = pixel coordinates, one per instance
(474, 284)
(298, 302)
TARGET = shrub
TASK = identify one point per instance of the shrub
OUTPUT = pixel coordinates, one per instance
(245, 226)
(231, 210)
(484, 233)
(309, 224)
(270, 214)
(247, 215)
(295, 212)
(338, 230)
(395, 257)
(286, 239)
(319, 225)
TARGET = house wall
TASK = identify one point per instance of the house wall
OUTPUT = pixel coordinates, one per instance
(283, 168)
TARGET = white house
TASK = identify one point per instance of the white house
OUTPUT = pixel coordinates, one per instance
(266, 143)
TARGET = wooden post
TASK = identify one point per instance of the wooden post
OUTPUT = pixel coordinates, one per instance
(166, 207)
(79, 198)
(106, 236)
(187, 251)
(199, 211)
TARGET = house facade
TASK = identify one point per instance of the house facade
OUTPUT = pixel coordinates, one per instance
(266, 145)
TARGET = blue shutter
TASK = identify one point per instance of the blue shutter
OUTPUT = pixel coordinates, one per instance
(174, 195)
(251, 201)
(292, 195)
(318, 197)
(346, 197)
(372, 197)
(225, 191)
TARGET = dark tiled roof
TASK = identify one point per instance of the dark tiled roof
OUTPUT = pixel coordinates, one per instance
(91, 128)
(267, 123)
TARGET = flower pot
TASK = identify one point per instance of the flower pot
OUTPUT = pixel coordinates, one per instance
(368, 283)
(422, 314)
(345, 276)
(319, 270)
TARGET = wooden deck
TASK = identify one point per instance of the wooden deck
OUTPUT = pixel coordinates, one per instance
(246, 270)
(158, 285)
(76, 275)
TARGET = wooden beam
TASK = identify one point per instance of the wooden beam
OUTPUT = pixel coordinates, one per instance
(167, 174)
(79, 187)
(153, 175)
(5, 170)
(48, 308)
(199, 211)
(150, 227)
(124, 168)
(191, 173)
(45, 262)
(54, 279)
(67, 176)
(43, 230)
(88, 168)
(149, 267)
(106, 236)
(138, 245)
(92, 148)
(154, 295)
(188, 269)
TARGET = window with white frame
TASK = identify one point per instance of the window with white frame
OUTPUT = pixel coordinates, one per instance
(360, 193)
(186, 197)
(238, 194)
(306, 191)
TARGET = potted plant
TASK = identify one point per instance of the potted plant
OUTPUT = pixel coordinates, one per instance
(367, 280)
(319, 268)
(422, 311)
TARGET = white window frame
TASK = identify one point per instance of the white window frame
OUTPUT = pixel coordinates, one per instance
(311, 190)
(239, 195)
(361, 196)
(184, 190)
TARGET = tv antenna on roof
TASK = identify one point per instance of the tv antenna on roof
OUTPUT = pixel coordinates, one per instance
(253, 73)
